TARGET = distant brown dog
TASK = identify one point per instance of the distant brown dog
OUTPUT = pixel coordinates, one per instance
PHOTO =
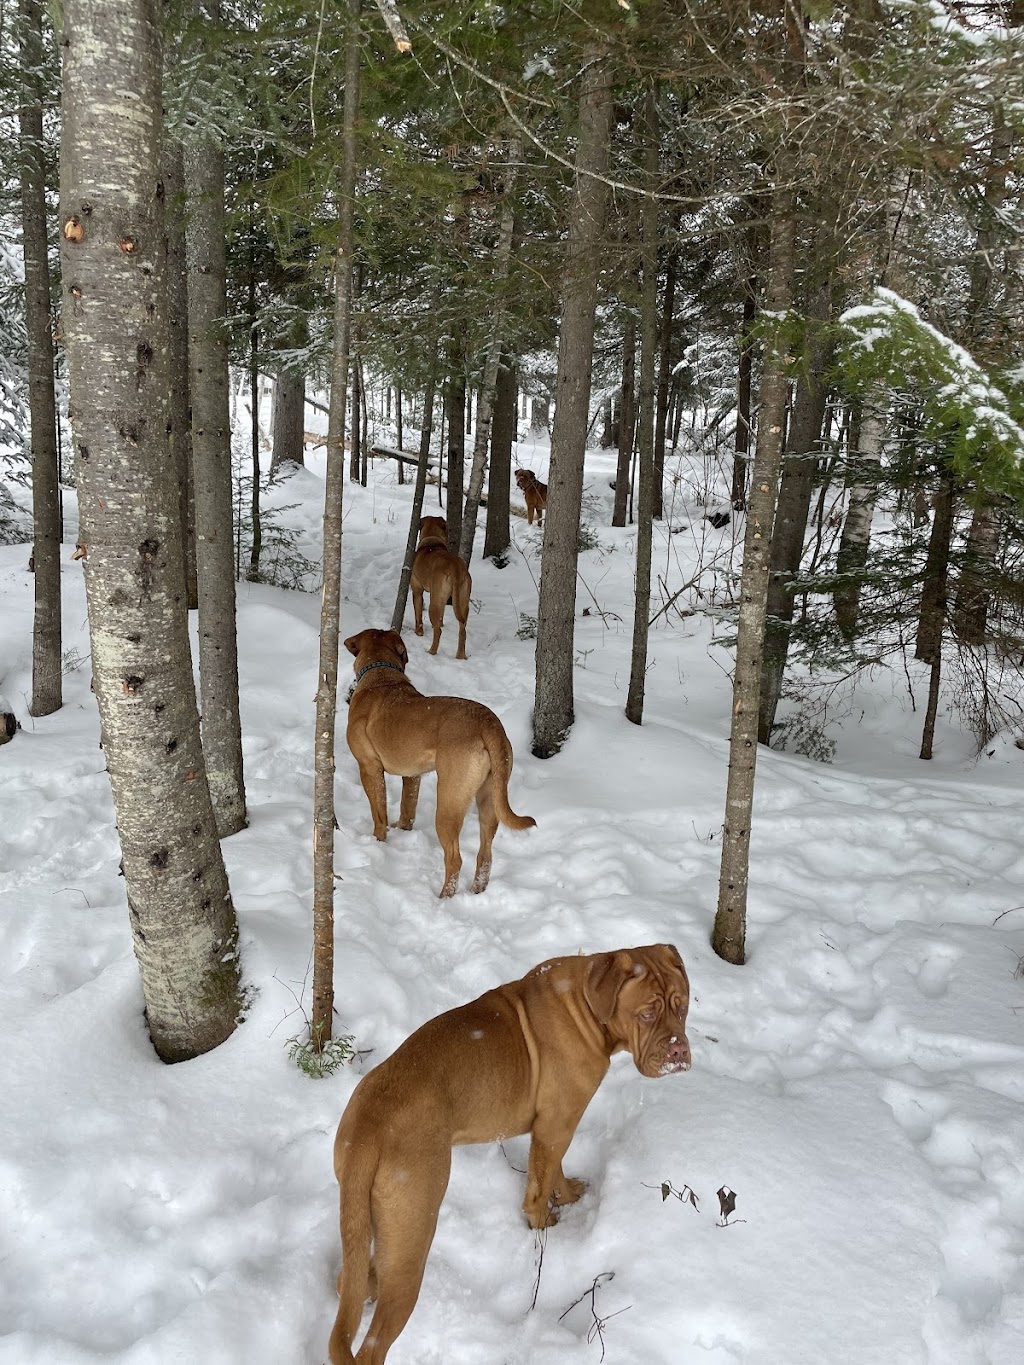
(535, 494)
(392, 728)
(442, 575)
(523, 1058)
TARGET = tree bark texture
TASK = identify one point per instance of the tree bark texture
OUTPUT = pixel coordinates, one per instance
(931, 627)
(932, 616)
(553, 707)
(862, 481)
(498, 532)
(492, 360)
(177, 308)
(115, 326)
(402, 596)
(289, 420)
(46, 625)
(626, 425)
(664, 376)
(330, 604)
(729, 937)
(792, 512)
(211, 468)
(455, 419)
(744, 379)
(970, 609)
(645, 431)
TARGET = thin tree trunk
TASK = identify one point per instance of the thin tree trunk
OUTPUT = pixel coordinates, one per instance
(862, 481)
(398, 430)
(745, 376)
(455, 417)
(498, 533)
(664, 375)
(330, 603)
(256, 548)
(485, 398)
(402, 596)
(645, 435)
(932, 617)
(358, 451)
(181, 403)
(729, 937)
(115, 326)
(289, 420)
(553, 710)
(623, 465)
(205, 237)
(970, 609)
(46, 625)
(794, 506)
(933, 604)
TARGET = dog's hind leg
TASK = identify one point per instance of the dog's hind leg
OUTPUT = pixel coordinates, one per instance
(488, 829)
(460, 602)
(457, 781)
(437, 603)
(417, 605)
(405, 1218)
(410, 799)
(372, 778)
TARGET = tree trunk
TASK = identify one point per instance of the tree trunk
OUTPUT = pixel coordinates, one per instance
(862, 481)
(932, 619)
(626, 424)
(931, 626)
(211, 462)
(181, 404)
(485, 398)
(46, 625)
(553, 710)
(289, 420)
(330, 602)
(402, 596)
(115, 328)
(664, 375)
(399, 434)
(970, 609)
(729, 938)
(455, 417)
(645, 434)
(256, 548)
(498, 533)
(745, 376)
(358, 451)
(794, 506)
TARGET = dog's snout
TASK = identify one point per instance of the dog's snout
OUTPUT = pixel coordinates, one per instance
(677, 1052)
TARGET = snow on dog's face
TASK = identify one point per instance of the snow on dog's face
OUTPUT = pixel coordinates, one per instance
(642, 995)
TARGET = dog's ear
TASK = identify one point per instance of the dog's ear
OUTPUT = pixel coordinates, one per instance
(607, 976)
(399, 647)
(352, 643)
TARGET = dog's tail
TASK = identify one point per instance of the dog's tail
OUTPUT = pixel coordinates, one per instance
(356, 1184)
(499, 751)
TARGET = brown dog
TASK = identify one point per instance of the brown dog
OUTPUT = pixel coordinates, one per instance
(440, 574)
(523, 1058)
(392, 728)
(535, 494)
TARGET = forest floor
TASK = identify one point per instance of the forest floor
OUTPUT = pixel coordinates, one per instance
(858, 1083)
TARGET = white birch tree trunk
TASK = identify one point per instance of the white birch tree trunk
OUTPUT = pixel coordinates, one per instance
(115, 326)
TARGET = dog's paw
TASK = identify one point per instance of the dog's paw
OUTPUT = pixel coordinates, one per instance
(569, 1191)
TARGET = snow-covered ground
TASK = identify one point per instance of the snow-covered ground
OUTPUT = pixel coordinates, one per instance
(858, 1083)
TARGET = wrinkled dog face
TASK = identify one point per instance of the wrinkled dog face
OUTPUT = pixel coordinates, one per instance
(650, 1011)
